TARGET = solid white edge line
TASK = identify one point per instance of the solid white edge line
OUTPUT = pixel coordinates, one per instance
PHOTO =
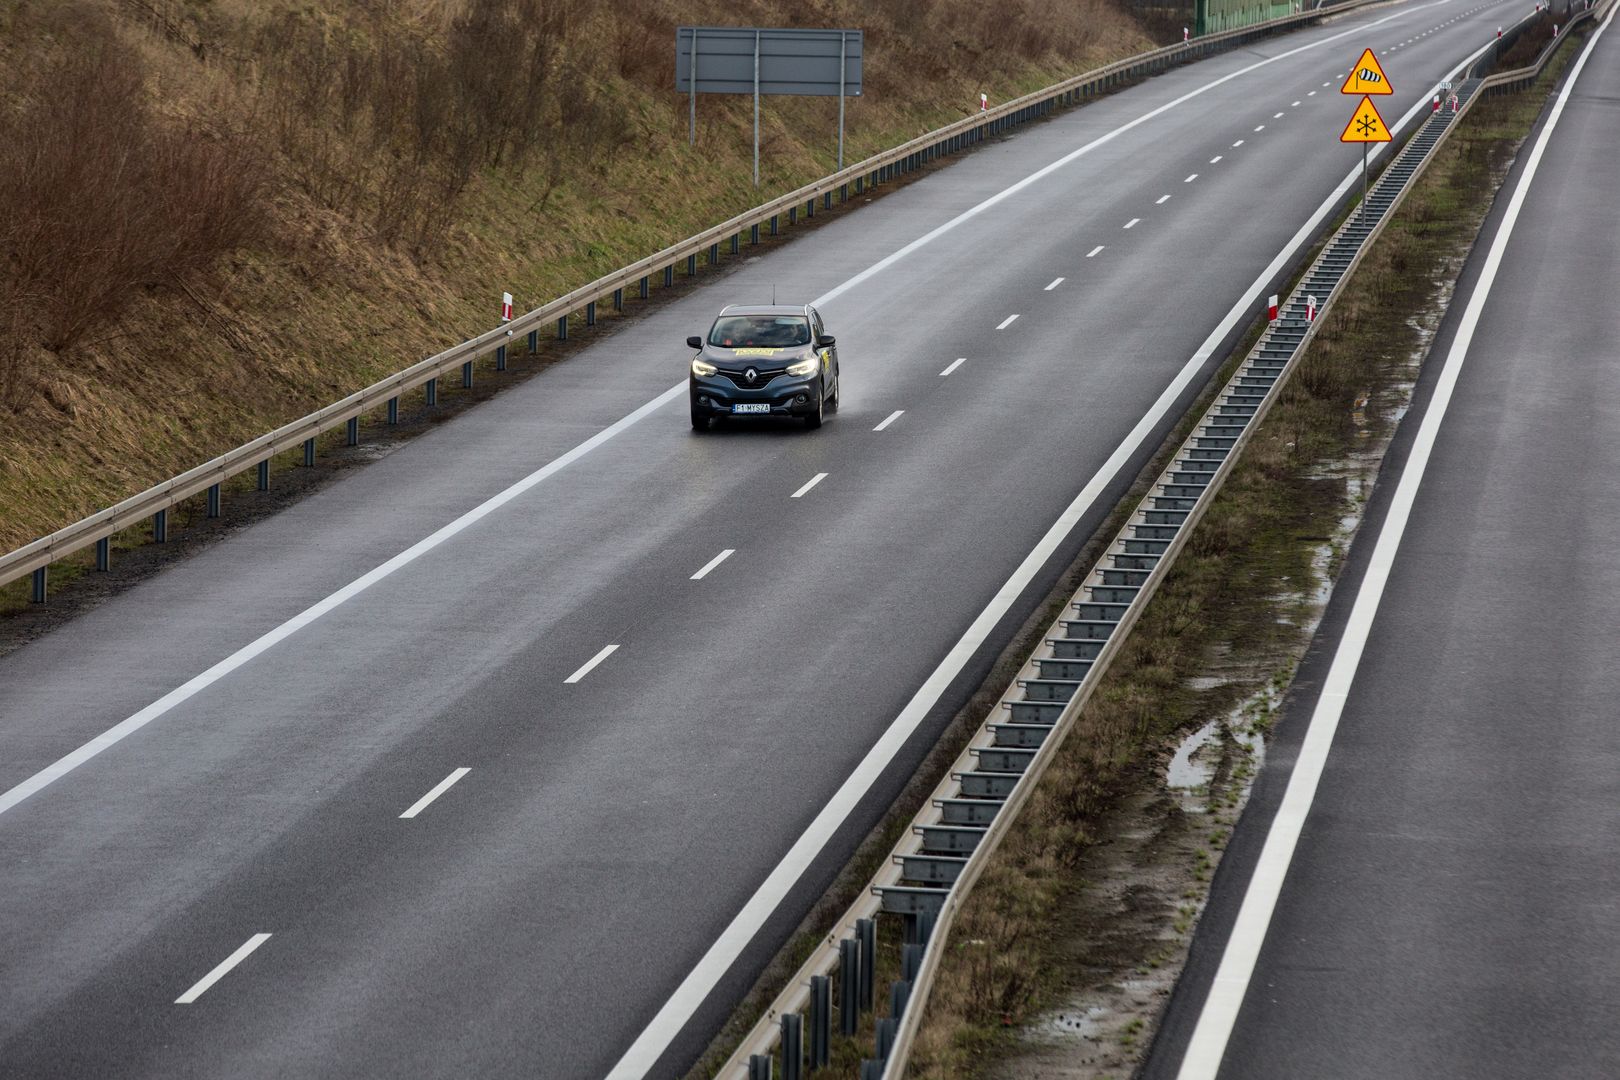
(808, 484)
(1008, 321)
(1220, 1010)
(1094, 252)
(891, 418)
(1055, 283)
(662, 1029)
(958, 362)
(438, 789)
(712, 563)
(585, 668)
(225, 965)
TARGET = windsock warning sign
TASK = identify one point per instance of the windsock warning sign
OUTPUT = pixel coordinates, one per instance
(1367, 77)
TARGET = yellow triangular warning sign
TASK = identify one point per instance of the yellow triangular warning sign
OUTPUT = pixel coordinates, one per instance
(1366, 125)
(1367, 77)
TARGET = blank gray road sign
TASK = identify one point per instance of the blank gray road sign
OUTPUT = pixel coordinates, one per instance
(790, 61)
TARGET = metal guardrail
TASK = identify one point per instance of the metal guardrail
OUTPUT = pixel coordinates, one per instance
(154, 503)
(932, 869)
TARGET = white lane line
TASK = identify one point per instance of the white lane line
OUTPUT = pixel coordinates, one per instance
(1327, 84)
(585, 668)
(1055, 283)
(1008, 321)
(1161, 200)
(1295, 105)
(1260, 127)
(1220, 1010)
(1190, 179)
(662, 1030)
(712, 563)
(1237, 144)
(222, 970)
(891, 418)
(1215, 160)
(1276, 116)
(958, 362)
(810, 483)
(1093, 253)
(1131, 224)
(1310, 93)
(438, 789)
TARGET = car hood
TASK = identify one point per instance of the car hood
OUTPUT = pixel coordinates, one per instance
(761, 358)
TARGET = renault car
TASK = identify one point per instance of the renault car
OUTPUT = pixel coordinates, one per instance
(764, 361)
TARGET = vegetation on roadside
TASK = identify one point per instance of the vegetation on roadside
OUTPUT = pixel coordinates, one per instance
(1009, 960)
(222, 214)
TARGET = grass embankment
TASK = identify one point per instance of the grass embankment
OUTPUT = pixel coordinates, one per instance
(1245, 565)
(222, 214)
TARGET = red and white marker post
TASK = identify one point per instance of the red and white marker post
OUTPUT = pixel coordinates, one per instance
(984, 102)
(1310, 308)
(1436, 104)
(1271, 309)
(506, 307)
(1185, 37)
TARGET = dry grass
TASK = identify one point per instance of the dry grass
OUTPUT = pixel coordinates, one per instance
(413, 159)
(1007, 949)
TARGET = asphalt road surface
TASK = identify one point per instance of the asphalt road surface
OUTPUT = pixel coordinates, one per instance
(245, 744)
(1452, 906)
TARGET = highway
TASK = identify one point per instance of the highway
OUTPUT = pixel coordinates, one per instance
(461, 766)
(1426, 882)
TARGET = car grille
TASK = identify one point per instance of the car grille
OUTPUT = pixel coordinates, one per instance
(763, 376)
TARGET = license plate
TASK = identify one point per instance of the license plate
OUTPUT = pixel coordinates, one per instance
(761, 407)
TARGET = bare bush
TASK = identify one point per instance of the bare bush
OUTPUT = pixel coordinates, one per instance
(103, 198)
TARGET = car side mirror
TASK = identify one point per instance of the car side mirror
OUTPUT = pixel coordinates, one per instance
(694, 342)
(827, 341)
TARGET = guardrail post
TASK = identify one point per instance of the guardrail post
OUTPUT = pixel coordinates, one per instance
(736, 242)
(826, 200)
(871, 1070)
(843, 193)
(500, 358)
(104, 554)
(792, 1046)
(393, 409)
(590, 313)
(899, 995)
(714, 255)
(883, 1037)
(562, 328)
(866, 931)
(534, 342)
(354, 431)
(793, 214)
(160, 527)
(911, 957)
(669, 276)
(820, 1021)
(774, 229)
(759, 1067)
(753, 233)
(466, 375)
(849, 990)
(213, 501)
(691, 264)
(37, 595)
(618, 299)
(645, 283)
(431, 391)
(309, 453)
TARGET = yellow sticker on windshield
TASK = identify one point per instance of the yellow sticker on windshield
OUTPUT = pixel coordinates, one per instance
(758, 352)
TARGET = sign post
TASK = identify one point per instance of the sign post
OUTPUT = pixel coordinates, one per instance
(1366, 126)
(759, 61)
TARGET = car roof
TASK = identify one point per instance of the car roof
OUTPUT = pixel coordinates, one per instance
(766, 309)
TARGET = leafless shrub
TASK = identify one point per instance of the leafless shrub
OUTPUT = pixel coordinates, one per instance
(103, 198)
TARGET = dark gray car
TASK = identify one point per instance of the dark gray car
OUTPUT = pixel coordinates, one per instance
(775, 360)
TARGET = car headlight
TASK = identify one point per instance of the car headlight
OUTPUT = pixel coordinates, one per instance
(701, 366)
(807, 366)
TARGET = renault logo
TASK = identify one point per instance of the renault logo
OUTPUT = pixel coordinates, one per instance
(751, 375)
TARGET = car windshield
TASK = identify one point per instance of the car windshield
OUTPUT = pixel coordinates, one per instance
(760, 331)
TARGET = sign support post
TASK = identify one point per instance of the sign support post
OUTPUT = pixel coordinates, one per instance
(756, 108)
(843, 68)
(691, 105)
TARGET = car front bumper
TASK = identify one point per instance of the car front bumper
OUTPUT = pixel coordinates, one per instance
(786, 395)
